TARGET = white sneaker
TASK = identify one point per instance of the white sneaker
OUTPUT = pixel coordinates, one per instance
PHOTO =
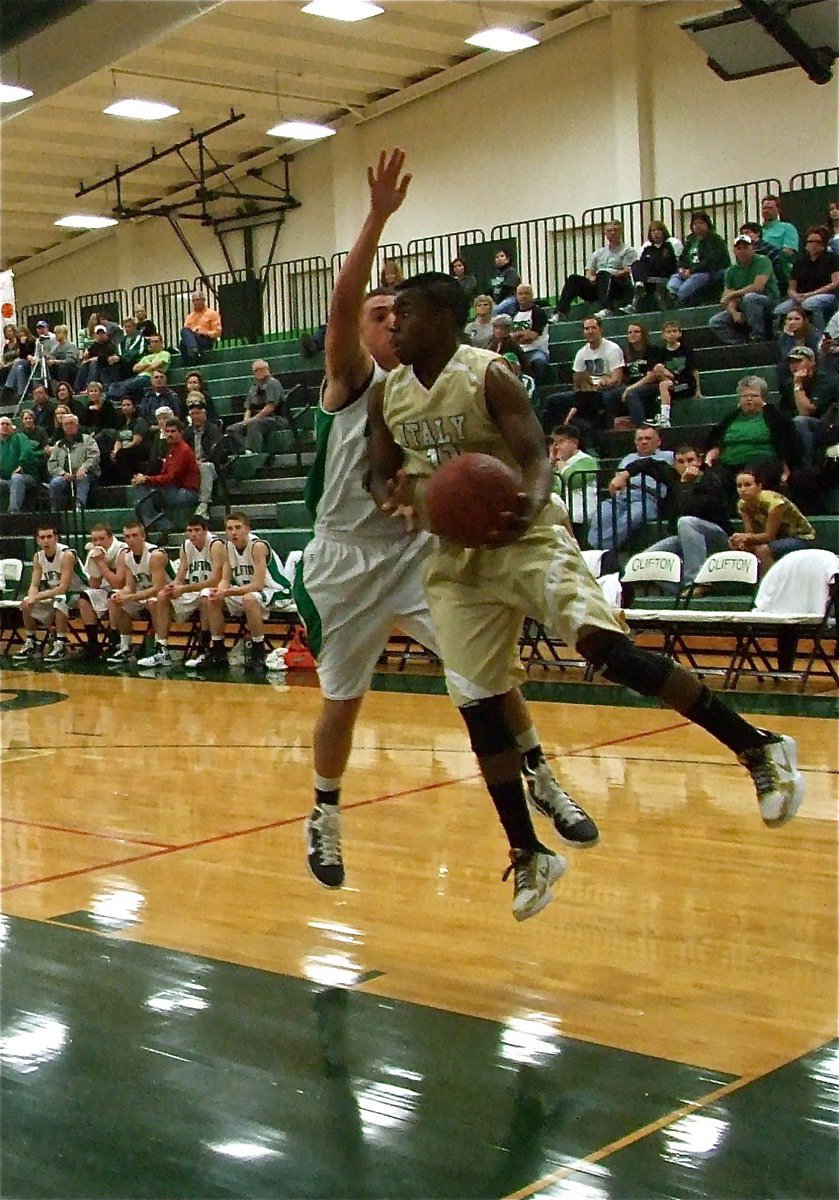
(161, 658)
(202, 510)
(533, 877)
(778, 782)
(603, 312)
(323, 845)
(275, 661)
(58, 651)
(29, 649)
(548, 797)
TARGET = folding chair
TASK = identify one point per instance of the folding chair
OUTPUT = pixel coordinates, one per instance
(651, 567)
(11, 575)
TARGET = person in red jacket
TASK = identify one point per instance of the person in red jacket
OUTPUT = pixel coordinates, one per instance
(177, 484)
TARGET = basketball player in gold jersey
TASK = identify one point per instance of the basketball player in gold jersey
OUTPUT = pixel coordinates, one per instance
(448, 398)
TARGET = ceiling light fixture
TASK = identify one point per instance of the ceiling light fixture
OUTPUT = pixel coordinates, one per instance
(85, 221)
(9, 92)
(505, 40)
(301, 131)
(141, 110)
(343, 10)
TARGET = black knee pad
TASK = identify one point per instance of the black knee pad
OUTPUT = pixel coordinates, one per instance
(486, 724)
(621, 661)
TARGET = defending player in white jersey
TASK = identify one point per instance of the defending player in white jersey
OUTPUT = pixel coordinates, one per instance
(360, 577)
(105, 571)
(56, 575)
(200, 568)
(252, 578)
(147, 571)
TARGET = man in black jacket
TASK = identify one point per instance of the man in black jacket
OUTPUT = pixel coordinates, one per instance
(204, 437)
(695, 504)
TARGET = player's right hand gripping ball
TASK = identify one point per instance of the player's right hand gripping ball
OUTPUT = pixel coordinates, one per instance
(465, 498)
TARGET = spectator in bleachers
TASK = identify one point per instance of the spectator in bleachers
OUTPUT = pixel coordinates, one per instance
(155, 358)
(641, 392)
(130, 450)
(598, 372)
(98, 417)
(755, 431)
(772, 525)
(55, 573)
(158, 447)
(159, 395)
(814, 280)
(813, 392)
(201, 331)
(203, 437)
(695, 505)
(147, 571)
(112, 327)
(829, 347)
(797, 332)
(502, 342)
(478, 333)
(45, 343)
(63, 358)
(391, 274)
(73, 465)
(702, 262)
(100, 361)
(133, 347)
(781, 234)
(19, 467)
(65, 394)
(175, 486)
(574, 473)
(750, 294)
(36, 435)
(634, 495)
(530, 332)
(833, 226)
(59, 413)
(751, 229)
(144, 326)
(265, 396)
(104, 569)
(503, 283)
(468, 283)
(9, 350)
(44, 409)
(20, 369)
(607, 279)
(657, 261)
(674, 370)
(195, 382)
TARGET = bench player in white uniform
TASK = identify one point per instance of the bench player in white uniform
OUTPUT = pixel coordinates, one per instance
(105, 573)
(360, 577)
(199, 570)
(56, 579)
(467, 399)
(147, 571)
(252, 578)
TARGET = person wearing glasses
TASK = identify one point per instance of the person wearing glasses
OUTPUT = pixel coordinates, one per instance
(814, 283)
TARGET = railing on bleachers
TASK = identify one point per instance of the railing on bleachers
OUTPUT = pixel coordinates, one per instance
(167, 304)
(389, 250)
(586, 497)
(50, 309)
(728, 207)
(295, 294)
(218, 279)
(826, 177)
(436, 253)
(547, 252)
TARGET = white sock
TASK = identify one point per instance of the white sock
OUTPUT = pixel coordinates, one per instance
(162, 642)
(125, 641)
(322, 784)
(665, 412)
(528, 740)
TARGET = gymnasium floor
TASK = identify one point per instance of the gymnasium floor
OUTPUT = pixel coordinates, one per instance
(185, 1013)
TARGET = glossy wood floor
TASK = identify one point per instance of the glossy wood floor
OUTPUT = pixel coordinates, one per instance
(172, 814)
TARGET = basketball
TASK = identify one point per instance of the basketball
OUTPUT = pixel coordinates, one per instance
(465, 499)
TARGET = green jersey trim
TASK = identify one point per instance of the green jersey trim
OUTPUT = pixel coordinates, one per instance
(309, 614)
(313, 488)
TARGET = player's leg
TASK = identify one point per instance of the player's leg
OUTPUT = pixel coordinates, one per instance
(58, 650)
(121, 621)
(478, 642)
(30, 647)
(215, 609)
(574, 608)
(256, 610)
(547, 795)
(161, 612)
(92, 603)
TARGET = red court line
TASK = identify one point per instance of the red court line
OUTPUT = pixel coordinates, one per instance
(110, 837)
(237, 833)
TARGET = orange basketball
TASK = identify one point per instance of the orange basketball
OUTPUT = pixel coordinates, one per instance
(465, 499)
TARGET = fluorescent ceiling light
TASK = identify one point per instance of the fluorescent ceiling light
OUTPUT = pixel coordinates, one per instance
(9, 92)
(85, 221)
(506, 40)
(301, 131)
(343, 10)
(141, 110)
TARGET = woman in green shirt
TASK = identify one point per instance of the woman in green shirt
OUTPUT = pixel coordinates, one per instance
(754, 432)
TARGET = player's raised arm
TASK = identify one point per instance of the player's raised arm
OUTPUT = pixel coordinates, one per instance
(509, 406)
(348, 362)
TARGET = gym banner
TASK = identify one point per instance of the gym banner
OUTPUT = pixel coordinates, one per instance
(7, 297)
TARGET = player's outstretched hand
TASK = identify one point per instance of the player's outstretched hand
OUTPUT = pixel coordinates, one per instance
(512, 524)
(400, 501)
(387, 190)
